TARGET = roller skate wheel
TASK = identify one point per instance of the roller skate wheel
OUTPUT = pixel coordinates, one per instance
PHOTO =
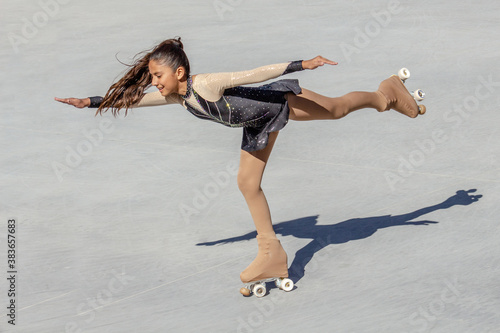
(278, 282)
(259, 290)
(404, 74)
(421, 109)
(287, 284)
(419, 95)
(245, 292)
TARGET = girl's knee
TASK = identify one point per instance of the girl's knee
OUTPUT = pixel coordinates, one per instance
(247, 185)
(339, 107)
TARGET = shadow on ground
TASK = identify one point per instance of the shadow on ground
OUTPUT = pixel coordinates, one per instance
(353, 229)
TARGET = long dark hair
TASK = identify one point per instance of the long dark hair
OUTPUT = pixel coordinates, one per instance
(130, 88)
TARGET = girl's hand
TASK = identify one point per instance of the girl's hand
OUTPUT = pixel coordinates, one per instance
(76, 102)
(316, 62)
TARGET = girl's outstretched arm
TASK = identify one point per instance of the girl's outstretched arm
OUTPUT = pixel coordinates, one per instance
(218, 82)
(149, 99)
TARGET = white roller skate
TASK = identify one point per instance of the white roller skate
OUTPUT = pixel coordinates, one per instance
(270, 265)
(399, 98)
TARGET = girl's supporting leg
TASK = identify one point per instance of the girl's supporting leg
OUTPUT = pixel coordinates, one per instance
(271, 260)
(312, 106)
(251, 170)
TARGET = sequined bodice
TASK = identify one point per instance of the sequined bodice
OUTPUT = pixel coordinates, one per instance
(238, 107)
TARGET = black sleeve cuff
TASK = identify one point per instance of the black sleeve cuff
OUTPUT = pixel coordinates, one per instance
(294, 66)
(95, 101)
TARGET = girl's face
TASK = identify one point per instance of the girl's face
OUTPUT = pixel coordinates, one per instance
(165, 78)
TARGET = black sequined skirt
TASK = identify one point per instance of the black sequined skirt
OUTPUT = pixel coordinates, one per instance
(256, 136)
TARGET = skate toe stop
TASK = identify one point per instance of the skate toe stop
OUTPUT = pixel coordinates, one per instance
(245, 292)
(421, 109)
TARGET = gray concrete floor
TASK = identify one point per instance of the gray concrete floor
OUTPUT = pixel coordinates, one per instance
(116, 234)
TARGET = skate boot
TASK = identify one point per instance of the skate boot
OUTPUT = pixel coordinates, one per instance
(399, 98)
(269, 265)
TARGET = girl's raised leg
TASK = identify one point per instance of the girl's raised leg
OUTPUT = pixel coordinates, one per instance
(312, 106)
(391, 94)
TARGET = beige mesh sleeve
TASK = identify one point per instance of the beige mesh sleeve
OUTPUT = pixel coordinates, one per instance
(155, 98)
(212, 86)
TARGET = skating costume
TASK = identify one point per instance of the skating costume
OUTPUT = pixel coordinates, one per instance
(219, 97)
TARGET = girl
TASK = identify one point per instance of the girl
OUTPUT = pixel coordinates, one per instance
(262, 112)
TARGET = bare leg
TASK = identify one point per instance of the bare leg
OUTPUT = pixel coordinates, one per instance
(312, 106)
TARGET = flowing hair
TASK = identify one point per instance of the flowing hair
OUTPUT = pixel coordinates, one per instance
(129, 90)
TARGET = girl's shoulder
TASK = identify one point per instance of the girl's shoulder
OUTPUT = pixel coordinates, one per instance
(209, 85)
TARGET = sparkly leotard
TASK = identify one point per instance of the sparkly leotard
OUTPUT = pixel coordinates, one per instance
(219, 97)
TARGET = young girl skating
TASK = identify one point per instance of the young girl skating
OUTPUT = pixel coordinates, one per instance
(261, 111)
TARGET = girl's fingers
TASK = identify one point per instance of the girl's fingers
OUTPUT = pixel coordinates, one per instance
(317, 62)
(328, 61)
(76, 102)
(63, 100)
(321, 61)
